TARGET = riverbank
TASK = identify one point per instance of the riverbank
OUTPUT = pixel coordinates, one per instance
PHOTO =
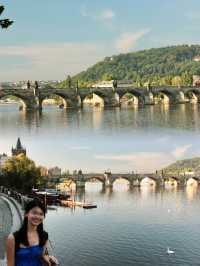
(6, 222)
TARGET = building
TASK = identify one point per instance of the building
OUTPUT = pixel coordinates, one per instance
(196, 80)
(54, 172)
(19, 149)
(196, 58)
(113, 84)
(103, 84)
(3, 158)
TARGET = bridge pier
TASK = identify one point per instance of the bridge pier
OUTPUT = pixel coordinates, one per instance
(80, 184)
(80, 180)
(108, 180)
(112, 101)
(180, 97)
(134, 183)
(149, 99)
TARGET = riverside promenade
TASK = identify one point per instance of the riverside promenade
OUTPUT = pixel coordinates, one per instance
(5, 228)
(10, 219)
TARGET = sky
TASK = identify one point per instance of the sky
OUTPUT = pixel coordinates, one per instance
(52, 39)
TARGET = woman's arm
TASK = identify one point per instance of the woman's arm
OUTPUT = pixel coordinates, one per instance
(50, 260)
(10, 248)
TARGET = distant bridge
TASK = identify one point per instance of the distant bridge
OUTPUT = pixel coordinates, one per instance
(32, 98)
(135, 180)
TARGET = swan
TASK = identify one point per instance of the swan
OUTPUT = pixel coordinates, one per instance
(170, 251)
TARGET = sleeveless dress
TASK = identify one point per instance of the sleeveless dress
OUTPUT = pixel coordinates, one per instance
(29, 256)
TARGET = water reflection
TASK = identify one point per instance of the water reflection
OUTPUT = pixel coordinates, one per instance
(96, 117)
(191, 192)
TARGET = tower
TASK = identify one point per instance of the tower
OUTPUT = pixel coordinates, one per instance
(18, 149)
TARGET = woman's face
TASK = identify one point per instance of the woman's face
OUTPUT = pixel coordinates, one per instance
(35, 216)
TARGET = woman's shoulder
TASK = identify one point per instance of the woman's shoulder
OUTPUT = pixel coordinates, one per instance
(11, 237)
(15, 235)
(45, 235)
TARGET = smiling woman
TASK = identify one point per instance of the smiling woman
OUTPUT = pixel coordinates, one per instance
(28, 246)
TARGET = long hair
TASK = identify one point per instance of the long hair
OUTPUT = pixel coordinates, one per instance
(21, 236)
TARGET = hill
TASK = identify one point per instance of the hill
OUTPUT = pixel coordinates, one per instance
(167, 65)
(184, 166)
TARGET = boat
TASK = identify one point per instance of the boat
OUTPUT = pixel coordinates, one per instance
(49, 196)
(72, 203)
(89, 206)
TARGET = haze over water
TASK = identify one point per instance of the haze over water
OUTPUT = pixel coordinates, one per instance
(140, 139)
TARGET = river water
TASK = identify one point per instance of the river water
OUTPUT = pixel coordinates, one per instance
(129, 227)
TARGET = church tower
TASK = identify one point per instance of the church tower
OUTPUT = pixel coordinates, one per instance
(18, 149)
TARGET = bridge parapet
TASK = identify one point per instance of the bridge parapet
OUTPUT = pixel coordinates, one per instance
(74, 97)
(135, 180)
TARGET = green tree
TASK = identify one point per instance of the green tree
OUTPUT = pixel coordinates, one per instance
(176, 81)
(186, 79)
(20, 173)
(69, 81)
(107, 77)
(4, 23)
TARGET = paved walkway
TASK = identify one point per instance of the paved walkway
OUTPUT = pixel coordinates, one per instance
(5, 227)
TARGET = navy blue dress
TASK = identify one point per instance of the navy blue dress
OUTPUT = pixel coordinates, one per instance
(29, 256)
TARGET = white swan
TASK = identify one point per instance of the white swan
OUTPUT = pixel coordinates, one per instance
(170, 251)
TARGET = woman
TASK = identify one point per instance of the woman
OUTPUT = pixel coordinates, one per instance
(28, 246)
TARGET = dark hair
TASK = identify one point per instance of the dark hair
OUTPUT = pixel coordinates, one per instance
(21, 235)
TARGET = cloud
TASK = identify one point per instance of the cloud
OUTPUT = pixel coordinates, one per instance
(180, 151)
(106, 15)
(141, 161)
(84, 11)
(193, 15)
(127, 40)
(49, 61)
(80, 148)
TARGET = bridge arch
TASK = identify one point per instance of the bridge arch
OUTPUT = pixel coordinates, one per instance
(192, 181)
(94, 183)
(63, 101)
(23, 102)
(164, 96)
(171, 181)
(148, 181)
(119, 178)
(98, 178)
(129, 99)
(193, 95)
(94, 99)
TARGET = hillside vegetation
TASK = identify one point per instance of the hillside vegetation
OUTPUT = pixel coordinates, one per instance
(184, 166)
(170, 65)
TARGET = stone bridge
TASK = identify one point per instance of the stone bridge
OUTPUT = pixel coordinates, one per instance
(32, 98)
(135, 180)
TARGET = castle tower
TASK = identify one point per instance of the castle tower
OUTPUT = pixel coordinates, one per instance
(18, 149)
